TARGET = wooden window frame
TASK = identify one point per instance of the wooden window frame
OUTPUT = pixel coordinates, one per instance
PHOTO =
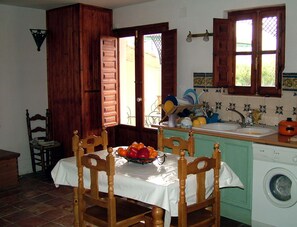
(225, 51)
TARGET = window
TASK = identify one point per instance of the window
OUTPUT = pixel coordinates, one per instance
(256, 51)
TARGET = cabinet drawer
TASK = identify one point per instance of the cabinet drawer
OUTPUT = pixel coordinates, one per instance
(7, 165)
(8, 172)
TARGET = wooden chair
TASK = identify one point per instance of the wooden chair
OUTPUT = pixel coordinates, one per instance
(88, 145)
(176, 143)
(105, 209)
(41, 144)
(206, 211)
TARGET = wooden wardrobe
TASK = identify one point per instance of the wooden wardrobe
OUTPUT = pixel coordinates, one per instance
(73, 67)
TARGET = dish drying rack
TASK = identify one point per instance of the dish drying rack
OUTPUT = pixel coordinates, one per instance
(179, 108)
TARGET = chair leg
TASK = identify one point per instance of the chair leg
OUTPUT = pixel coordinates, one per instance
(75, 207)
(42, 160)
(33, 159)
(47, 156)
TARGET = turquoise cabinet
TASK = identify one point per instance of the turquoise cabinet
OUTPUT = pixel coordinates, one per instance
(235, 202)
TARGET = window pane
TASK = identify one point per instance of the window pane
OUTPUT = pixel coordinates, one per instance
(268, 70)
(152, 79)
(127, 79)
(244, 35)
(269, 32)
(243, 70)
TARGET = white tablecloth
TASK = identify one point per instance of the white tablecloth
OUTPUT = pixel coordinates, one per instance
(153, 183)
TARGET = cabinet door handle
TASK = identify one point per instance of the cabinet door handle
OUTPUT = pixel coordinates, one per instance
(138, 99)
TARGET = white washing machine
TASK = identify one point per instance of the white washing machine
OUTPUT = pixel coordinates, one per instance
(274, 200)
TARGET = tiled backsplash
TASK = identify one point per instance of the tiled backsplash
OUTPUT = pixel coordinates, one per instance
(273, 109)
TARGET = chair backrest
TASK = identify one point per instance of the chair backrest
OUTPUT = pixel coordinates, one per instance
(38, 126)
(176, 143)
(199, 167)
(88, 144)
(95, 165)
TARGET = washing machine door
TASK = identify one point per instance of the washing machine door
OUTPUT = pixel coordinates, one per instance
(280, 187)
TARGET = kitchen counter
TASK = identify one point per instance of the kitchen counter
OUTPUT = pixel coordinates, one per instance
(274, 139)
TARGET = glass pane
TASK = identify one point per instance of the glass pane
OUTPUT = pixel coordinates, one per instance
(268, 70)
(281, 187)
(152, 79)
(127, 79)
(243, 70)
(244, 36)
(269, 32)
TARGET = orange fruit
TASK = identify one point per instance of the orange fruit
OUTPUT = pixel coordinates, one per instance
(122, 152)
(151, 149)
(140, 145)
(154, 154)
(134, 144)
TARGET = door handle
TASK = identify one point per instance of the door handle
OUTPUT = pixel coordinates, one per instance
(138, 99)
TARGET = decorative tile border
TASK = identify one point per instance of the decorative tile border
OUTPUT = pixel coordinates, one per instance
(290, 81)
(203, 80)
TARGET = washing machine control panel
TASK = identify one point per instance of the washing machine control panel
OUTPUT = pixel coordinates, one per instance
(275, 154)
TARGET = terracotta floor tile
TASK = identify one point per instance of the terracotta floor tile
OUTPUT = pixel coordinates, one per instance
(54, 214)
(33, 221)
(43, 198)
(51, 224)
(7, 210)
(37, 202)
(31, 194)
(24, 204)
(4, 223)
(57, 201)
(17, 216)
(66, 220)
(39, 208)
(61, 191)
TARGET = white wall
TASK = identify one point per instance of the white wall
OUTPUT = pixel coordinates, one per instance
(196, 16)
(23, 80)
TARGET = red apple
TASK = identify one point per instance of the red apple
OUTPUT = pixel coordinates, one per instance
(143, 153)
(132, 153)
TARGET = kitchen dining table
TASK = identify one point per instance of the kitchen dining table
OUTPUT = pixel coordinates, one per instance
(154, 183)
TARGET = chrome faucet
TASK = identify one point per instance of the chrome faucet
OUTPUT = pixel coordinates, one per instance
(242, 123)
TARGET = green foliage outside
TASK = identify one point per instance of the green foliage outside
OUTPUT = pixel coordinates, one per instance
(243, 75)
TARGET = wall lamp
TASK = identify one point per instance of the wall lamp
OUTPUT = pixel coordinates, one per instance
(204, 35)
(39, 36)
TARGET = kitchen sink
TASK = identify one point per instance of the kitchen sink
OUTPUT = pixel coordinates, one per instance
(219, 127)
(255, 131)
(236, 129)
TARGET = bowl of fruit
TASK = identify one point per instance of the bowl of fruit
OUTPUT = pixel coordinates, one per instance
(139, 153)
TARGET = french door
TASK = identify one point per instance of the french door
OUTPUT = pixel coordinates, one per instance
(143, 69)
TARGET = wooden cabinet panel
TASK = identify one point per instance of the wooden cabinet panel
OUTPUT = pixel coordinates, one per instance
(95, 23)
(9, 174)
(74, 94)
(236, 202)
